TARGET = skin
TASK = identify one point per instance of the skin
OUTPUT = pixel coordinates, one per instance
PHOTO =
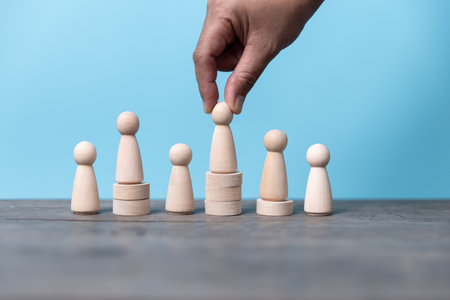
(243, 36)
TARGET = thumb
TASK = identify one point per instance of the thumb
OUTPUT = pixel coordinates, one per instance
(252, 63)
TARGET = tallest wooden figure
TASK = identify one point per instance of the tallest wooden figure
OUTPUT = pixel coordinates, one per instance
(223, 182)
(129, 162)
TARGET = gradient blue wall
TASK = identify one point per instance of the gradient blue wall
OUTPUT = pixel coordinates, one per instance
(370, 79)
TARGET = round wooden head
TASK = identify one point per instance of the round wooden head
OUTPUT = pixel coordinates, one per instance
(275, 140)
(180, 155)
(128, 123)
(84, 153)
(221, 114)
(318, 155)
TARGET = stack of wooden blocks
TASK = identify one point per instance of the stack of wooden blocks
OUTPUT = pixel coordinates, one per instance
(223, 194)
(131, 199)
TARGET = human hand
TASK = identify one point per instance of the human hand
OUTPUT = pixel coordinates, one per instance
(243, 37)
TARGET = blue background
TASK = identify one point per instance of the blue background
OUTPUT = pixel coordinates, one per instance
(369, 79)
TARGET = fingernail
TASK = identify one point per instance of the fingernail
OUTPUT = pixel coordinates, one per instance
(238, 103)
(204, 107)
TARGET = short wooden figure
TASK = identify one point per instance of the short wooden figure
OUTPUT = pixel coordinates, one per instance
(318, 198)
(85, 199)
(129, 162)
(274, 186)
(180, 197)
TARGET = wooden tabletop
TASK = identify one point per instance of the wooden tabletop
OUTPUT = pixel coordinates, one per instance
(365, 250)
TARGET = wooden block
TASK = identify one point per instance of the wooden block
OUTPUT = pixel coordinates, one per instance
(131, 208)
(214, 180)
(274, 208)
(223, 194)
(137, 191)
(232, 208)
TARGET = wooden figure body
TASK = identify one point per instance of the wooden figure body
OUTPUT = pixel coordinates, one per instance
(223, 153)
(318, 198)
(85, 199)
(274, 185)
(180, 197)
(129, 163)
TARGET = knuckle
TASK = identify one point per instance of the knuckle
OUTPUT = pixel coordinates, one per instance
(196, 56)
(246, 77)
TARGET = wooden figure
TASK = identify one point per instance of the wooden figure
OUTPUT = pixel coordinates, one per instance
(223, 152)
(180, 197)
(318, 198)
(274, 187)
(129, 162)
(85, 199)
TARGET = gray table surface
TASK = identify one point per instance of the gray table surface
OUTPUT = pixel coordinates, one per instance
(365, 250)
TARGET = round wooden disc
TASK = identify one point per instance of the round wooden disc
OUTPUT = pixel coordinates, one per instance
(131, 208)
(232, 208)
(217, 180)
(274, 208)
(138, 191)
(223, 194)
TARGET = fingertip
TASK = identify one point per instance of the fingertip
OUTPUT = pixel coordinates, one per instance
(233, 98)
(209, 103)
(210, 94)
(205, 107)
(235, 104)
(208, 106)
(238, 103)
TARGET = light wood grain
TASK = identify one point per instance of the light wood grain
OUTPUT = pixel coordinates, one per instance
(274, 208)
(229, 208)
(137, 191)
(129, 162)
(131, 207)
(223, 194)
(274, 184)
(214, 180)
(223, 152)
(180, 196)
(318, 198)
(85, 198)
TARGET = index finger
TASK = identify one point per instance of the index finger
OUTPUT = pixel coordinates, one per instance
(213, 41)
